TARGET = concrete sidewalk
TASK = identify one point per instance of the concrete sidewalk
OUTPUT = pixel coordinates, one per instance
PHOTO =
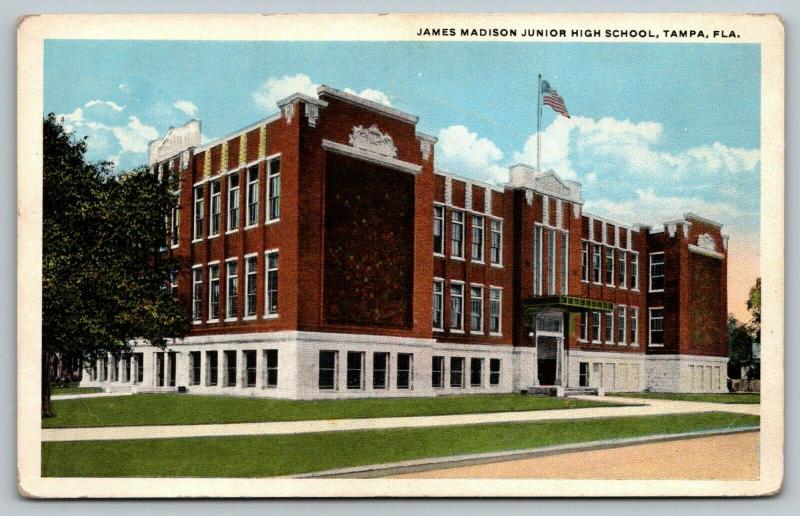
(88, 395)
(646, 407)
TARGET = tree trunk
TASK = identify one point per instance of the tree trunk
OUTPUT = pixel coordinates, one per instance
(47, 410)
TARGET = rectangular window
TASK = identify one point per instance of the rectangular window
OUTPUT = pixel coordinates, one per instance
(476, 309)
(657, 272)
(610, 266)
(551, 261)
(380, 370)
(197, 293)
(583, 374)
(252, 195)
(595, 326)
(456, 306)
(328, 362)
(584, 335)
(656, 326)
(232, 289)
(212, 367)
(194, 368)
(355, 370)
(199, 210)
(216, 208)
(213, 293)
(457, 372)
(233, 201)
(596, 261)
(477, 238)
(497, 242)
(139, 361)
(270, 368)
(405, 370)
(173, 284)
(494, 371)
(274, 185)
(272, 283)
(622, 269)
(230, 368)
(457, 235)
(476, 372)
(621, 323)
(251, 273)
(634, 326)
(585, 261)
(608, 327)
(127, 370)
(249, 357)
(564, 263)
(438, 304)
(174, 225)
(537, 261)
(438, 230)
(437, 372)
(495, 309)
(635, 271)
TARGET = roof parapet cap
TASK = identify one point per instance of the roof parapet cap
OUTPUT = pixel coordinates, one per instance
(369, 104)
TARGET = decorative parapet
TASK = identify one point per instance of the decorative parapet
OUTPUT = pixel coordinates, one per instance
(243, 149)
(262, 141)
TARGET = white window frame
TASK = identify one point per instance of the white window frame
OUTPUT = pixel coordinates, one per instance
(440, 283)
(634, 326)
(234, 204)
(663, 276)
(597, 329)
(268, 313)
(175, 227)
(585, 264)
(609, 328)
(622, 324)
(248, 200)
(198, 213)
(552, 283)
(460, 329)
(453, 224)
(443, 221)
(269, 187)
(215, 199)
(499, 301)
(622, 261)
(597, 265)
(610, 253)
(213, 266)
(478, 230)
(492, 232)
(197, 297)
(564, 245)
(538, 239)
(583, 330)
(247, 275)
(472, 298)
(650, 326)
(634, 274)
(228, 277)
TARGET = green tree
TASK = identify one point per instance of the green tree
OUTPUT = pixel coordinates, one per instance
(740, 347)
(754, 307)
(103, 267)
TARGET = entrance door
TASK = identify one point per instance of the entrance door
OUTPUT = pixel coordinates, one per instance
(173, 359)
(546, 350)
(583, 374)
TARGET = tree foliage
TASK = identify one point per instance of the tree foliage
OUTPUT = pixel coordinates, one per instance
(754, 307)
(103, 269)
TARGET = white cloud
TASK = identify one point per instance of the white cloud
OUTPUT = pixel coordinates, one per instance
(71, 120)
(277, 88)
(107, 103)
(187, 106)
(274, 89)
(465, 153)
(134, 136)
(371, 94)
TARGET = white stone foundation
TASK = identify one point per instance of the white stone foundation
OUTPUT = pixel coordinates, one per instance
(686, 373)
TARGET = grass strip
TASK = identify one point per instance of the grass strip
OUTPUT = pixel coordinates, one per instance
(264, 456)
(727, 398)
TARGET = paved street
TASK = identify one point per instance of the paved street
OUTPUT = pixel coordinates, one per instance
(726, 457)
(646, 407)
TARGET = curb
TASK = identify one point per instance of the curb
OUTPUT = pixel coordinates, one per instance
(417, 465)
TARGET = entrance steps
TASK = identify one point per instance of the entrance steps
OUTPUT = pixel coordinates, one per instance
(560, 391)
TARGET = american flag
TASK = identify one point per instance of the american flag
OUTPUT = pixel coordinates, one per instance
(550, 97)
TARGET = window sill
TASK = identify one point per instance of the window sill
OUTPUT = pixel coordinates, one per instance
(211, 237)
(655, 291)
(438, 255)
(476, 262)
(458, 258)
(249, 318)
(493, 334)
(460, 332)
(270, 316)
(440, 330)
(655, 345)
(212, 321)
(232, 319)
(232, 231)
(634, 345)
(497, 265)
(174, 246)
(583, 341)
(272, 221)
(197, 240)
(197, 322)
(246, 228)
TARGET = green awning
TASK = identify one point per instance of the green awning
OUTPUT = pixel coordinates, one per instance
(569, 303)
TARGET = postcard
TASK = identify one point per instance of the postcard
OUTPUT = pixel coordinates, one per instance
(510, 255)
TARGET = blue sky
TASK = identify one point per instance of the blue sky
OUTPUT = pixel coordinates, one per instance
(656, 129)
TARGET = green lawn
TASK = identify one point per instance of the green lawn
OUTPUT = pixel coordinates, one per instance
(184, 409)
(261, 456)
(744, 397)
(55, 391)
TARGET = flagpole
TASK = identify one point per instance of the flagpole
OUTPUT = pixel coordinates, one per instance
(539, 126)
